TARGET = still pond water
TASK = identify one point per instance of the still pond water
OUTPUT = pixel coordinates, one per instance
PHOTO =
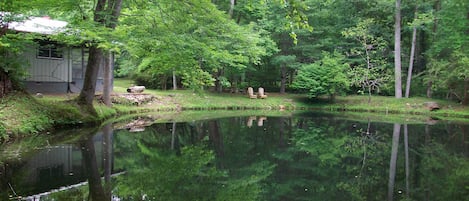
(301, 157)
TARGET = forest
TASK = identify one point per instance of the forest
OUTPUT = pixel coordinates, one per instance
(316, 47)
(305, 49)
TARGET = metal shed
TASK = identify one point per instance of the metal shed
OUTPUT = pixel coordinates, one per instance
(53, 67)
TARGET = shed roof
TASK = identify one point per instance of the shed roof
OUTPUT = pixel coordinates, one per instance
(41, 25)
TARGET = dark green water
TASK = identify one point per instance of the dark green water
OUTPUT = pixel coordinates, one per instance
(305, 157)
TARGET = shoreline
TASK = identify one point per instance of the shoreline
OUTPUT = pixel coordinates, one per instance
(23, 114)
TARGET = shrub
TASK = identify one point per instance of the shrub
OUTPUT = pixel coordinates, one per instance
(325, 77)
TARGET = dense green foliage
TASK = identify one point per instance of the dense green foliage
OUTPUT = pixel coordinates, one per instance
(325, 77)
(192, 41)
(12, 67)
(448, 53)
(200, 44)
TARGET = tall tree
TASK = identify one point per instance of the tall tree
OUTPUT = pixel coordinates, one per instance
(205, 40)
(106, 13)
(411, 59)
(370, 72)
(397, 52)
(107, 85)
(284, 61)
(422, 17)
(430, 79)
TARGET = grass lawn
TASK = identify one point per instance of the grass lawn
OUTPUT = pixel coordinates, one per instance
(379, 105)
(22, 114)
(187, 99)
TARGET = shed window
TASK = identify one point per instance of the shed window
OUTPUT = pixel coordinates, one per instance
(48, 50)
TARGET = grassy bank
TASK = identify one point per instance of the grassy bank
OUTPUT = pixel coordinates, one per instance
(23, 114)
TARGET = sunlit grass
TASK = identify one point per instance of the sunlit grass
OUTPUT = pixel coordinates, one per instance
(414, 105)
(187, 99)
(20, 113)
(121, 84)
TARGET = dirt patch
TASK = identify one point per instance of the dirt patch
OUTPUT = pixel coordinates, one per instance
(132, 98)
(143, 99)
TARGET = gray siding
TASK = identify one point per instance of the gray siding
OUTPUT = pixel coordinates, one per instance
(64, 75)
(49, 70)
(47, 87)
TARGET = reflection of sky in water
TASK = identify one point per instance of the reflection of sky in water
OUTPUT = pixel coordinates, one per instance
(312, 157)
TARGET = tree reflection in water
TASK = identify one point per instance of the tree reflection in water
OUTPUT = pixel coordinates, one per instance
(91, 170)
(313, 157)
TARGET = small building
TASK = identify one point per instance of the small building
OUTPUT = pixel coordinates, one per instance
(54, 67)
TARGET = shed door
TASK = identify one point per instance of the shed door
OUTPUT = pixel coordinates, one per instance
(79, 60)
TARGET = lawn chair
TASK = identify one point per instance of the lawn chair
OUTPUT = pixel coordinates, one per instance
(250, 121)
(261, 93)
(251, 93)
(260, 121)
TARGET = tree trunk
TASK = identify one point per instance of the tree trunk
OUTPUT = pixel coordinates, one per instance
(365, 148)
(465, 100)
(218, 84)
(466, 80)
(232, 5)
(173, 136)
(91, 75)
(393, 161)
(407, 164)
(107, 88)
(397, 52)
(115, 7)
(96, 54)
(283, 81)
(463, 140)
(437, 8)
(175, 84)
(369, 94)
(216, 138)
(281, 136)
(411, 60)
(107, 159)
(429, 89)
(164, 82)
(91, 167)
(6, 85)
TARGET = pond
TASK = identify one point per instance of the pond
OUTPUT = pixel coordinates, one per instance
(308, 156)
